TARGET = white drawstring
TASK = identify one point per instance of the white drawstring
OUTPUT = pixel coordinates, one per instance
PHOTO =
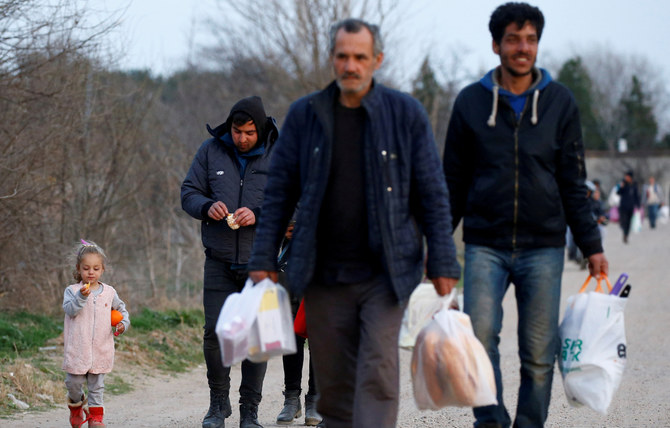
(536, 96)
(494, 110)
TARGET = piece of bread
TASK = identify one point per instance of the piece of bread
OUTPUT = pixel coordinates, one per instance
(448, 366)
(426, 361)
(458, 376)
(231, 222)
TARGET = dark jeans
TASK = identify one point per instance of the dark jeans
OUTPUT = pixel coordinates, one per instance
(625, 216)
(220, 282)
(652, 211)
(293, 369)
(353, 335)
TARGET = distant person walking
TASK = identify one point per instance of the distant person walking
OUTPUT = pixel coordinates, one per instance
(653, 199)
(514, 163)
(599, 210)
(629, 201)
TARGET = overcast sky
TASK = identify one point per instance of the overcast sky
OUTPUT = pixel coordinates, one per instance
(157, 33)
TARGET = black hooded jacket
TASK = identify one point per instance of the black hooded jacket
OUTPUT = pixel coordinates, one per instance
(215, 176)
(518, 182)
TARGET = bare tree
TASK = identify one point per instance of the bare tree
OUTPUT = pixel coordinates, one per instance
(290, 37)
(43, 45)
(612, 76)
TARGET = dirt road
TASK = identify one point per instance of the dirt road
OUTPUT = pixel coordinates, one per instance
(643, 400)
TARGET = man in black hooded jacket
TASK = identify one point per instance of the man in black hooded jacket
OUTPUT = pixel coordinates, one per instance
(226, 179)
(514, 164)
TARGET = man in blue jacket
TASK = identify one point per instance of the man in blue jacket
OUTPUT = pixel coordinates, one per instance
(361, 159)
(224, 189)
(514, 163)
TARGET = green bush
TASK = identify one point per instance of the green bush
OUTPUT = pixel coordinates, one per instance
(148, 319)
(23, 333)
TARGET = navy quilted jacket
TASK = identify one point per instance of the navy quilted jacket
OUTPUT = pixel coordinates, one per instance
(215, 176)
(406, 192)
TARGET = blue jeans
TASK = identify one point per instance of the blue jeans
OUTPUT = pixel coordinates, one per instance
(652, 210)
(536, 274)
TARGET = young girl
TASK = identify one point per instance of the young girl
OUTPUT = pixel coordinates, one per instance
(88, 334)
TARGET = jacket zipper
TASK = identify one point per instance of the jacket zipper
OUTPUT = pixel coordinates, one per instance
(516, 186)
(517, 126)
(237, 235)
(95, 300)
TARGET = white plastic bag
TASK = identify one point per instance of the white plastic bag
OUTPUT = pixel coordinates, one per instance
(636, 221)
(272, 333)
(423, 304)
(593, 348)
(449, 365)
(614, 199)
(663, 214)
(236, 318)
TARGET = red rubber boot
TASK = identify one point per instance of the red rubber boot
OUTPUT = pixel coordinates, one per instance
(78, 412)
(95, 420)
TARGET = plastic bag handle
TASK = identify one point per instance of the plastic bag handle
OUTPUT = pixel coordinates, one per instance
(599, 288)
(449, 299)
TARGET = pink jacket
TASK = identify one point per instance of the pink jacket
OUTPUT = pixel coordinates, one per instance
(88, 336)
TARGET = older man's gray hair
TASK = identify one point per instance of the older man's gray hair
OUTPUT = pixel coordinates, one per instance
(353, 25)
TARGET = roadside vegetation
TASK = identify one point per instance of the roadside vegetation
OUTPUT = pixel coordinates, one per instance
(31, 353)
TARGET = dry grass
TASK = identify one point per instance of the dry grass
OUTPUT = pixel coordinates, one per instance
(37, 386)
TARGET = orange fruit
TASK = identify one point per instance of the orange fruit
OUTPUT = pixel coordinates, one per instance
(116, 317)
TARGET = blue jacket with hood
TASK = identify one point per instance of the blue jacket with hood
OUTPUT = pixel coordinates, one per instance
(518, 177)
(215, 175)
(406, 194)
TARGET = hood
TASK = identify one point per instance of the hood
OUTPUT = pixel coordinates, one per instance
(253, 106)
(541, 78)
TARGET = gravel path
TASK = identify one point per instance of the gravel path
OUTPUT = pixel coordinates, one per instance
(642, 400)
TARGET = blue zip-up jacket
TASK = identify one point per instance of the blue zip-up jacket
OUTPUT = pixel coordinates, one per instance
(517, 179)
(406, 193)
(215, 176)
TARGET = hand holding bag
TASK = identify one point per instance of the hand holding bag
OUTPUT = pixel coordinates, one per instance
(423, 304)
(593, 347)
(449, 365)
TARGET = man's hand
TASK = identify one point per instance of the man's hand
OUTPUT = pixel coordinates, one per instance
(258, 275)
(598, 264)
(444, 285)
(244, 217)
(289, 231)
(217, 211)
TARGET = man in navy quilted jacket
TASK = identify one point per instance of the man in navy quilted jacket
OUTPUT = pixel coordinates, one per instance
(362, 161)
